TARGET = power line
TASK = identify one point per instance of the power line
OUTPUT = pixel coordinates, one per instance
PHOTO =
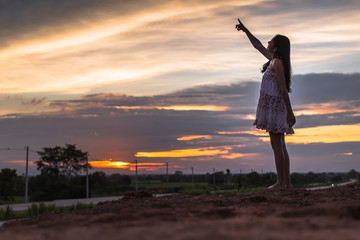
(17, 149)
(8, 149)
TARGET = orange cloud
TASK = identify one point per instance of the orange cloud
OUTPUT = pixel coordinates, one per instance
(183, 153)
(238, 155)
(222, 151)
(188, 138)
(250, 117)
(324, 108)
(324, 134)
(321, 134)
(179, 107)
(256, 132)
(21, 162)
(345, 154)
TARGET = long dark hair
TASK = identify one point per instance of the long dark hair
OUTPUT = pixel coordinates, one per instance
(282, 45)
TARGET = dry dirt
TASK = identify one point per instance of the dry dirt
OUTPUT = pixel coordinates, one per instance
(321, 214)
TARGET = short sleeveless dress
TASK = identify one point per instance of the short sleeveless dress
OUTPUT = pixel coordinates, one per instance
(271, 110)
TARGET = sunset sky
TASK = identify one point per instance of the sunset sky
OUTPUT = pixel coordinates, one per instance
(174, 82)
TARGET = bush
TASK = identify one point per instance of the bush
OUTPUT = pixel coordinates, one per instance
(51, 208)
(80, 206)
(42, 208)
(33, 210)
(195, 190)
(9, 213)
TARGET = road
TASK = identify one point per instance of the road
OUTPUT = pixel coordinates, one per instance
(68, 202)
(335, 185)
(60, 203)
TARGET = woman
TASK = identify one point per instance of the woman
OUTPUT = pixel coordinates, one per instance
(274, 112)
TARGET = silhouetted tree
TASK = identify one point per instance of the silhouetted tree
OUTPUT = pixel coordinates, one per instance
(177, 177)
(115, 179)
(8, 180)
(126, 180)
(352, 174)
(60, 168)
(64, 161)
(254, 179)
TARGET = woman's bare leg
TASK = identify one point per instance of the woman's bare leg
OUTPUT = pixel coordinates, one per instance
(287, 165)
(282, 162)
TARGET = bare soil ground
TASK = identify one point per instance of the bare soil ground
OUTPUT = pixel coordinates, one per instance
(300, 214)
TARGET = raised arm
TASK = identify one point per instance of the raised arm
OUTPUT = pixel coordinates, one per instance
(254, 41)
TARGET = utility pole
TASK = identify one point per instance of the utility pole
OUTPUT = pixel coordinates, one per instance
(26, 169)
(26, 174)
(192, 174)
(167, 174)
(241, 179)
(214, 176)
(136, 175)
(87, 177)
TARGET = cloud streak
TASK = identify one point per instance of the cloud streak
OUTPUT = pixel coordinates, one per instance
(80, 47)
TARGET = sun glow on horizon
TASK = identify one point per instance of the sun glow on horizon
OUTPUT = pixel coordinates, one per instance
(110, 164)
(127, 165)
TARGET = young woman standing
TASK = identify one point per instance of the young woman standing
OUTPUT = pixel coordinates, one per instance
(274, 112)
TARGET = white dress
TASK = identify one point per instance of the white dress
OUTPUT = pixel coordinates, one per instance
(271, 110)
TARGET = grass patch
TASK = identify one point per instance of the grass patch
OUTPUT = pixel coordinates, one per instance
(39, 209)
(16, 199)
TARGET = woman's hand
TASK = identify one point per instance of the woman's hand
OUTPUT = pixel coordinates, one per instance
(291, 120)
(240, 26)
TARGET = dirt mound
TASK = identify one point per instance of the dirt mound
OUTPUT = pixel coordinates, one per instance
(322, 214)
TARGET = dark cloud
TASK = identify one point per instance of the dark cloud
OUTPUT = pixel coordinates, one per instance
(23, 19)
(326, 87)
(34, 101)
(346, 118)
(338, 89)
(232, 95)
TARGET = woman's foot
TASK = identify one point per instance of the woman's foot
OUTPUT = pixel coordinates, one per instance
(280, 187)
(289, 187)
(276, 186)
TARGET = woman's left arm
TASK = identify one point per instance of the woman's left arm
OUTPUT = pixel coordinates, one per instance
(278, 68)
